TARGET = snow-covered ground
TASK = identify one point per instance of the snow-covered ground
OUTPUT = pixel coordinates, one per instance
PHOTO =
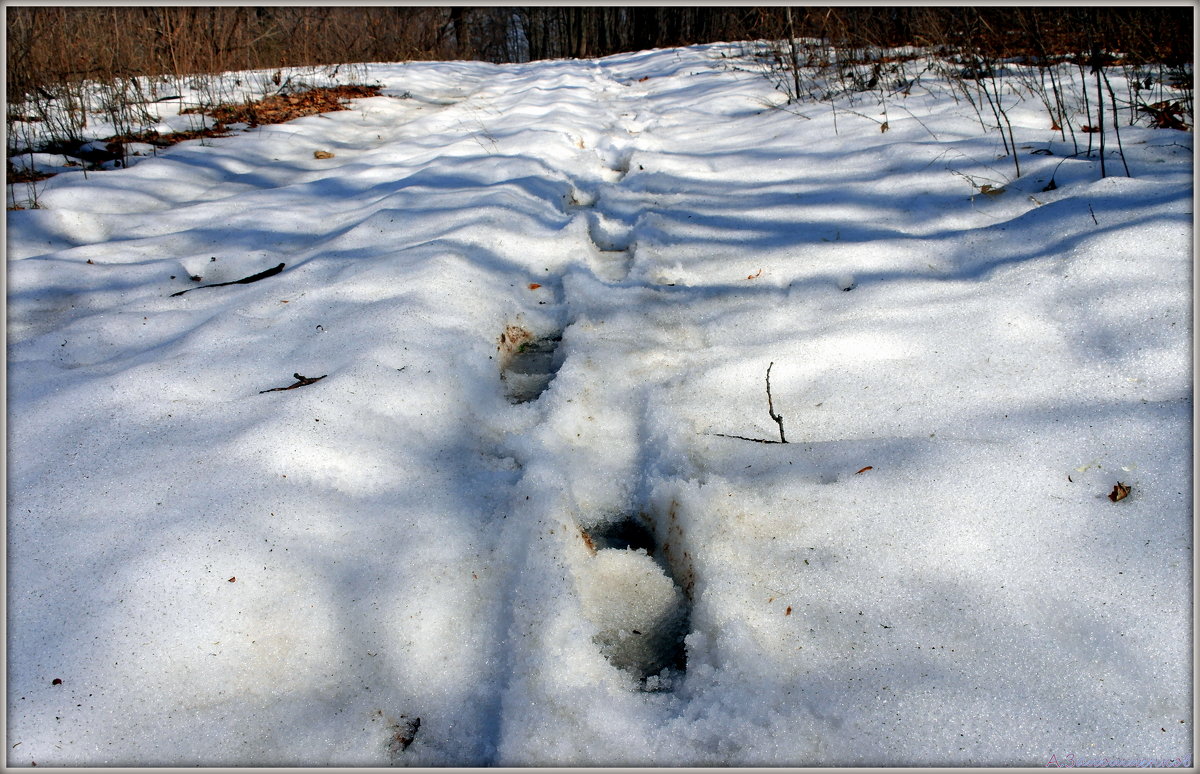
(607, 571)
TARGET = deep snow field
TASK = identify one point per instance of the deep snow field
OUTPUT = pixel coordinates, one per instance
(601, 568)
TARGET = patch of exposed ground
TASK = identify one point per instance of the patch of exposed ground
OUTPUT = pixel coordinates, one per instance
(280, 108)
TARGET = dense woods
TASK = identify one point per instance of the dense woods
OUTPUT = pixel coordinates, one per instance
(49, 46)
(68, 62)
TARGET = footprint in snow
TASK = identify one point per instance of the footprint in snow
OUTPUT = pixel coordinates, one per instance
(641, 612)
(528, 363)
(614, 244)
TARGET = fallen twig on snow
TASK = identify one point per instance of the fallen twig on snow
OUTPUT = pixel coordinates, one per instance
(243, 281)
(303, 380)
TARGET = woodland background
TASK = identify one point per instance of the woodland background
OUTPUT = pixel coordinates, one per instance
(49, 47)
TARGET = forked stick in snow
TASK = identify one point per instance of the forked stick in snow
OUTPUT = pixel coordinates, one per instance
(770, 410)
(771, 406)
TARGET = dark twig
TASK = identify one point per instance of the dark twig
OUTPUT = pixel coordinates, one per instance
(303, 380)
(243, 281)
(771, 406)
(744, 438)
(1116, 122)
(770, 410)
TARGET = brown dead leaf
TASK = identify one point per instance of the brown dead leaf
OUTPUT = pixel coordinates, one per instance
(1166, 115)
(322, 154)
(278, 109)
(864, 470)
(28, 175)
(1119, 492)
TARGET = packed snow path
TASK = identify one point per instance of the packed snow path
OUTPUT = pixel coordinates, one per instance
(545, 297)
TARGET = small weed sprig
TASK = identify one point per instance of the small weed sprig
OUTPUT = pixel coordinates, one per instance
(775, 417)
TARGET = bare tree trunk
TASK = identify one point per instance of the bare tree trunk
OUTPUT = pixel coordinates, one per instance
(795, 63)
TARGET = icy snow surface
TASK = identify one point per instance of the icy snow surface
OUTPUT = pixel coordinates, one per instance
(476, 531)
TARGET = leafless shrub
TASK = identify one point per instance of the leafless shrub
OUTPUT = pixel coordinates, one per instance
(831, 53)
(995, 55)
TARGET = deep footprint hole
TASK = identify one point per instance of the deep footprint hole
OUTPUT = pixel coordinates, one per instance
(628, 533)
(633, 596)
(528, 363)
(622, 162)
(609, 237)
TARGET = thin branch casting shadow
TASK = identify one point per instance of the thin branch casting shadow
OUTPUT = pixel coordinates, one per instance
(778, 418)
